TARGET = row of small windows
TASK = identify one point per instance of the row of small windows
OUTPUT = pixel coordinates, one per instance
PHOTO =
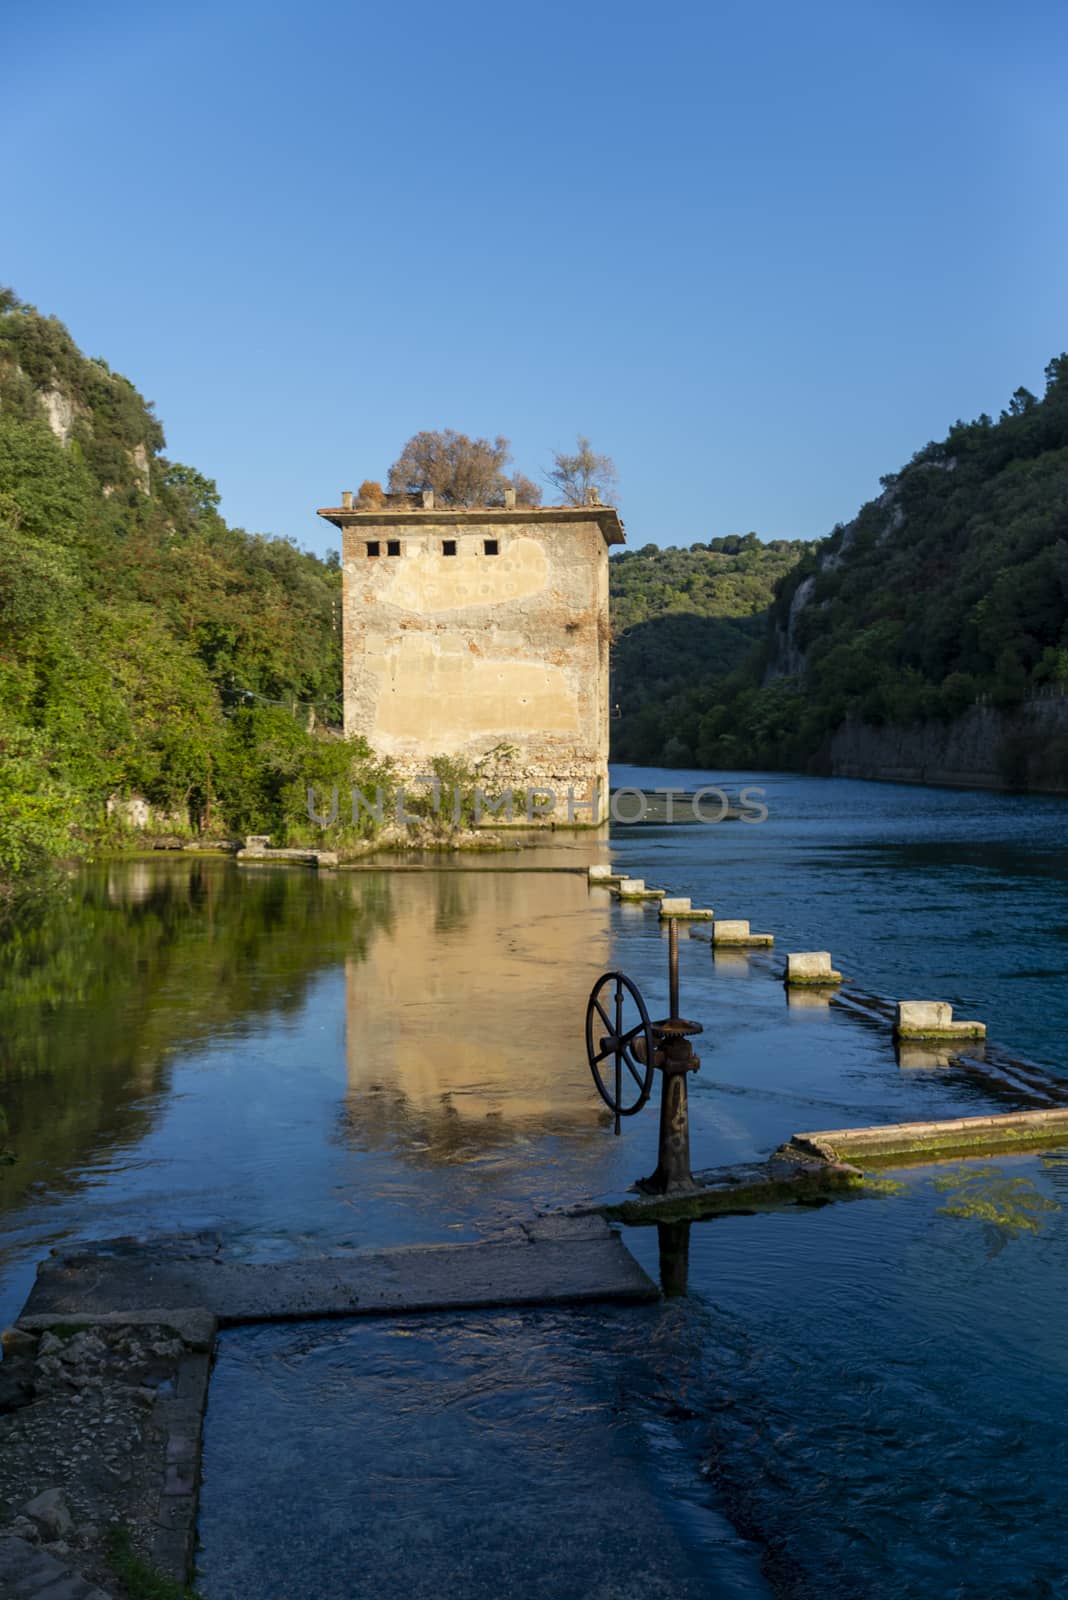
(490, 547)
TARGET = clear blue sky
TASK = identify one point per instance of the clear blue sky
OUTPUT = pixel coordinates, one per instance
(759, 253)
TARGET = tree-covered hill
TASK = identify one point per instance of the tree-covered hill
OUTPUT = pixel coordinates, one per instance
(145, 646)
(950, 587)
(681, 617)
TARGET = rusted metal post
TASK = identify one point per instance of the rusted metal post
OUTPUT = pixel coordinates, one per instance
(673, 1147)
(674, 1241)
(676, 1060)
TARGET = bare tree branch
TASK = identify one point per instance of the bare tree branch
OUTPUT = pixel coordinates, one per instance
(584, 477)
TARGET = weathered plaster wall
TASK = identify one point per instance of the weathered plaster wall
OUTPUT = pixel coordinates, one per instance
(984, 749)
(457, 655)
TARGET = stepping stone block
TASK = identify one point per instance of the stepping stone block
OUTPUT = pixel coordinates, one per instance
(933, 1019)
(680, 906)
(736, 932)
(634, 889)
(811, 966)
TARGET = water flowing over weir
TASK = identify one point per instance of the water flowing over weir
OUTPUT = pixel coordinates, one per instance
(318, 1065)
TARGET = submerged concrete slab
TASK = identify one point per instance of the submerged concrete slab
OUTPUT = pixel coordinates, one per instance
(521, 1269)
(785, 1179)
(502, 1457)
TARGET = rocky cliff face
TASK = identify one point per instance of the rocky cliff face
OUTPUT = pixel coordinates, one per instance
(62, 412)
(1026, 748)
(59, 412)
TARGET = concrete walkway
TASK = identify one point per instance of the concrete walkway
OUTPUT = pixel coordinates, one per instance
(557, 1261)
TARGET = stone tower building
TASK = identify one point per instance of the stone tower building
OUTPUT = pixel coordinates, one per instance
(466, 630)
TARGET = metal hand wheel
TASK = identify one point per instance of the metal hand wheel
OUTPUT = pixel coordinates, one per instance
(626, 1048)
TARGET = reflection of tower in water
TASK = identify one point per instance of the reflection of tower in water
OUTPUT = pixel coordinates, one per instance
(464, 1016)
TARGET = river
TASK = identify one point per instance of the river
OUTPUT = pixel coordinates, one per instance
(862, 1399)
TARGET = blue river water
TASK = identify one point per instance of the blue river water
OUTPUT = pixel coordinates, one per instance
(863, 1399)
(960, 895)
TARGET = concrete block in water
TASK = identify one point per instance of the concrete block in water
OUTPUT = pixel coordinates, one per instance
(601, 872)
(736, 932)
(680, 906)
(304, 858)
(634, 889)
(933, 1019)
(811, 966)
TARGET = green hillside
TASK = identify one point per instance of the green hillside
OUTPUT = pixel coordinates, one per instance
(950, 587)
(682, 618)
(145, 646)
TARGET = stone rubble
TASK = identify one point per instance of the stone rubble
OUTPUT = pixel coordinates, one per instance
(94, 1434)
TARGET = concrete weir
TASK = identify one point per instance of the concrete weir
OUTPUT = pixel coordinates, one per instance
(93, 1316)
(898, 1143)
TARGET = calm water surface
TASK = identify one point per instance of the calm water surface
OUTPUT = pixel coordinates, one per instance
(873, 1390)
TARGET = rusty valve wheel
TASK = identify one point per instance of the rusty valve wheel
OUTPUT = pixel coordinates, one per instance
(621, 1059)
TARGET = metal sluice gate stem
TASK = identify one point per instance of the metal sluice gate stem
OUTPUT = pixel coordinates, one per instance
(631, 1049)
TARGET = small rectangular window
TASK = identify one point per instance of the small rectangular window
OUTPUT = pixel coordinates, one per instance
(491, 547)
(448, 547)
(372, 548)
(393, 547)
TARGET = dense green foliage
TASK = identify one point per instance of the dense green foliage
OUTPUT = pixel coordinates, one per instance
(685, 618)
(950, 587)
(145, 646)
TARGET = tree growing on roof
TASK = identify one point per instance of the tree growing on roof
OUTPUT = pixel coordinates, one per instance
(459, 470)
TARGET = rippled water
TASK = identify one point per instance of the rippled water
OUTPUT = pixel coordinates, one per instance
(958, 895)
(874, 1389)
(504, 1454)
(885, 1385)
